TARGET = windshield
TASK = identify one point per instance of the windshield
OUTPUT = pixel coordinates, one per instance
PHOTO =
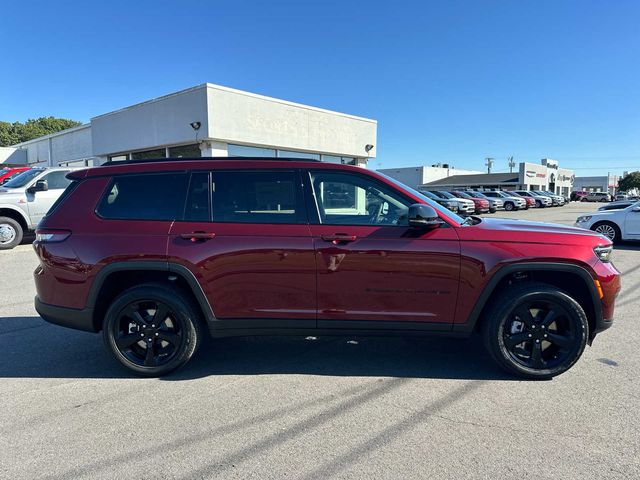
(427, 200)
(480, 195)
(22, 179)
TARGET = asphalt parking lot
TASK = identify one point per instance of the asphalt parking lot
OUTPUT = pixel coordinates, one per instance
(292, 408)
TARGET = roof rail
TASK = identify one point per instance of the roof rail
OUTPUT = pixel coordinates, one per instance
(225, 159)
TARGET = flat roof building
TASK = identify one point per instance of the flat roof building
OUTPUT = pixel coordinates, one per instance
(206, 120)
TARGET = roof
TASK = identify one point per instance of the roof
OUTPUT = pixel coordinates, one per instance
(476, 179)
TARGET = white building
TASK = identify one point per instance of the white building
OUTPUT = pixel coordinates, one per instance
(602, 183)
(416, 176)
(207, 120)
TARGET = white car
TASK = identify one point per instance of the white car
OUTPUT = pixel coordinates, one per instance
(614, 224)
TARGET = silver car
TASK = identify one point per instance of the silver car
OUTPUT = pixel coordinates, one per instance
(25, 199)
(510, 202)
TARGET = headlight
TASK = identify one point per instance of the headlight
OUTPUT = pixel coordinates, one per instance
(584, 218)
(604, 253)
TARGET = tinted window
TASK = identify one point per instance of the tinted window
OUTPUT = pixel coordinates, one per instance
(22, 179)
(350, 199)
(157, 196)
(257, 197)
(57, 180)
(197, 207)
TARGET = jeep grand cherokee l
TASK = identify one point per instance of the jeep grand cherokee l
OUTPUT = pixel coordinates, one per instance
(155, 254)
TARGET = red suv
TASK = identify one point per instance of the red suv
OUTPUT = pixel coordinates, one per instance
(155, 254)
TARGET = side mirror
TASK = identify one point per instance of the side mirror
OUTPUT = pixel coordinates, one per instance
(39, 186)
(423, 216)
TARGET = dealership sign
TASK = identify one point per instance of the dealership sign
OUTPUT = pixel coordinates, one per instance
(532, 173)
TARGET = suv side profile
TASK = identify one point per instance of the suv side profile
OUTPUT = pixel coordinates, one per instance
(25, 199)
(155, 254)
(596, 197)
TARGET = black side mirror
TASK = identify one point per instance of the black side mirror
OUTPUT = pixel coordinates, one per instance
(423, 216)
(39, 186)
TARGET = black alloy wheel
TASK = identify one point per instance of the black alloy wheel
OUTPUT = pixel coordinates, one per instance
(537, 331)
(152, 329)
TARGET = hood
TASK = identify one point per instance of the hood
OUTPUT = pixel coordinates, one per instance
(524, 231)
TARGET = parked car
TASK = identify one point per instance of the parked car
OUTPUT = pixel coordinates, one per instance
(481, 204)
(156, 254)
(596, 197)
(556, 200)
(616, 225)
(577, 195)
(25, 200)
(448, 203)
(621, 196)
(495, 204)
(540, 200)
(617, 205)
(8, 173)
(530, 201)
(465, 206)
(510, 202)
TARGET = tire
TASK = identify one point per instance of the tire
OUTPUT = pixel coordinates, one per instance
(539, 204)
(173, 341)
(11, 233)
(584, 199)
(609, 230)
(509, 206)
(545, 358)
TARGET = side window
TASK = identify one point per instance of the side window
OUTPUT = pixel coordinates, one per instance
(352, 199)
(56, 180)
(198, 208)
(157, 196)
(257, 197)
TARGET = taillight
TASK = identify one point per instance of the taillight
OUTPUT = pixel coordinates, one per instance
(51, 236)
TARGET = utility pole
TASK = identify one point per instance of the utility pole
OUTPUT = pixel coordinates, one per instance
(489, 163)
(511, 164)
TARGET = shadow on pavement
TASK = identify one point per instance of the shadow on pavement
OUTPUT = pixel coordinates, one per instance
(29, 347)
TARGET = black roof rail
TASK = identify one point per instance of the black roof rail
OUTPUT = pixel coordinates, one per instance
(225, 159)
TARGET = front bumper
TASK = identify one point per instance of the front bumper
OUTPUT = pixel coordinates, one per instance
(67, 317)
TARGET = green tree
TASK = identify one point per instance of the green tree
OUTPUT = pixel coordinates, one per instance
(16, 132)
(629, 181)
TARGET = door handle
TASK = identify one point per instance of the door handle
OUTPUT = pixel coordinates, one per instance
(197, 236)
(339, 238)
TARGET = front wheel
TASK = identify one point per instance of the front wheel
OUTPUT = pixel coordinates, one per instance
(609, 230)
(535, 330)
(152, 329)
(508, 206)
(10, 233)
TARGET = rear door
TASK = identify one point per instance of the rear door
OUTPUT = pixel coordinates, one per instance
(246, 238)
(373, 269)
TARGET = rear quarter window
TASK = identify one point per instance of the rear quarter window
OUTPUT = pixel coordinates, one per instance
(156, 196)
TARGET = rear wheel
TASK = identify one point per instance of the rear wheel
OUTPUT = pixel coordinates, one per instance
(152, 329)
(535, 331)
(608, 229)
(10, 233)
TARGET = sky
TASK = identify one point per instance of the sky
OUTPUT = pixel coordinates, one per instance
(448, 81)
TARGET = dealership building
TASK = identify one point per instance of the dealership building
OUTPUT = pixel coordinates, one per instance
(547, 175)
(206, 120)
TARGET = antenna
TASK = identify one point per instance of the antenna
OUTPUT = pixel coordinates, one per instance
(511, 164)
(489, 163)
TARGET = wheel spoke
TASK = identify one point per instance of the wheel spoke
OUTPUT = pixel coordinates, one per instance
(149, 359)
(161, 315)
(133, 313)
(126, 341)
(549, 318)
(172, 338)
(525, 316)
(536, 355)
(560, 340)
(516, 339)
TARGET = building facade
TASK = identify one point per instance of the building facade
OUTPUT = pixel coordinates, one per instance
(602, 183)
(206, 120)
(417, 176)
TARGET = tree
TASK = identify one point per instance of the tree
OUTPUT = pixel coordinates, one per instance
(629, 181)
(16, 132)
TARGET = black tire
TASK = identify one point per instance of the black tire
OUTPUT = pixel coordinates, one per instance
(509, 206)
(609, 230)
(539, 204)
(537, 356)
(11, 233)
(584, 199)
(173, 339)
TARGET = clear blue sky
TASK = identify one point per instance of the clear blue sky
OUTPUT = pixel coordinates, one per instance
(448, 81)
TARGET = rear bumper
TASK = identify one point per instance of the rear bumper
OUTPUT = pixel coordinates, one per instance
(602, 325)
(67, 317)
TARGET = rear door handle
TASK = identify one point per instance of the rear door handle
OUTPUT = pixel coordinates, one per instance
(339, 238)
(197, 236)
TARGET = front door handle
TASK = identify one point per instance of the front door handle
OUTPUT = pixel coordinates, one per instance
(339, 238)
(197, 236)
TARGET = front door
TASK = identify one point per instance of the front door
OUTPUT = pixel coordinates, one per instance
(39, 203)
(373, 267)
(245, 236)
(632, 223)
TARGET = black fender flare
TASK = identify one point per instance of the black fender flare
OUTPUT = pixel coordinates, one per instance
(470, 325)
